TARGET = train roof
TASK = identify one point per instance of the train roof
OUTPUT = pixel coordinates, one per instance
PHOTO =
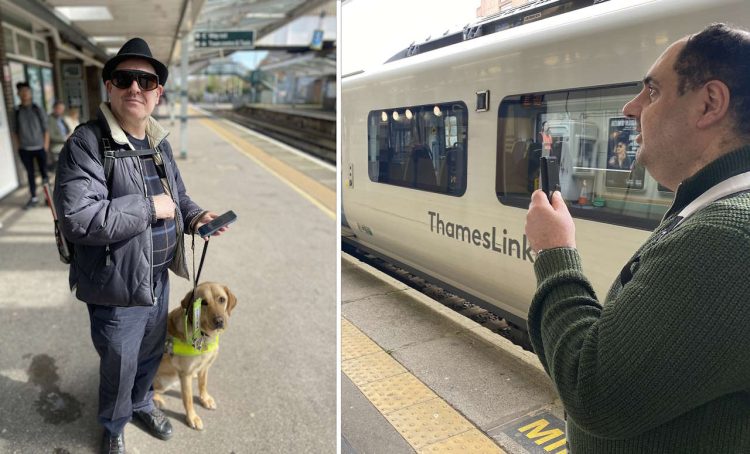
(531, 12)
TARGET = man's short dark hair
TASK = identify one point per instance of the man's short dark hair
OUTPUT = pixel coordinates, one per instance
(719, 52)
(21, 85)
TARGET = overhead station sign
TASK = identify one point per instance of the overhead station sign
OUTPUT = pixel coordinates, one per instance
(225, 40)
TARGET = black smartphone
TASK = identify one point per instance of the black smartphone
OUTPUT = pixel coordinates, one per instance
(217, 223)
(549, 175)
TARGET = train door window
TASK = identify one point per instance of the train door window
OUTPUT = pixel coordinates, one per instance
(595, 146)
(422, 147)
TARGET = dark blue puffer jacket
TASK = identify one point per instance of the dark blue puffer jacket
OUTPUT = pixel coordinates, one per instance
(111, 228)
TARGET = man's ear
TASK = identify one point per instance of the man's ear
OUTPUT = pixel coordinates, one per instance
(714, 98)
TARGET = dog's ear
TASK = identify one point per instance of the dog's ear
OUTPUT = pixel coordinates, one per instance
(232, 300)
(187, 300)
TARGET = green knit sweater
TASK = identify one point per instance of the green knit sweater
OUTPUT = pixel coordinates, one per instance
(663, 365)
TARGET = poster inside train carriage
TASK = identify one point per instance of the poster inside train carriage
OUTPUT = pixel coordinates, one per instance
(622, 170)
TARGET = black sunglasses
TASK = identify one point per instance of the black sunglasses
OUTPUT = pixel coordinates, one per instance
(123, 79)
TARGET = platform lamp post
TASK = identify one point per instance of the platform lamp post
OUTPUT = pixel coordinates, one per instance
(184, 95)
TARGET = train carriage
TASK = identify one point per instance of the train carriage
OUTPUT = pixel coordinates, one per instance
(441, 145)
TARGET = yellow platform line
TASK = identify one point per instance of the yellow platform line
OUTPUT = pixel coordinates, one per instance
(425, 420)
(319, 195)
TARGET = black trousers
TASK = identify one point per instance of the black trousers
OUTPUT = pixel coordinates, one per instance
(130, 343)
(28, 157)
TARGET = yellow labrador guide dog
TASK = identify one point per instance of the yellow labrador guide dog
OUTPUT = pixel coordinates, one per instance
(193, 345)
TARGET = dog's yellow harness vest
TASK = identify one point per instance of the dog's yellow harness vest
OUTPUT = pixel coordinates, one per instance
(176, 346)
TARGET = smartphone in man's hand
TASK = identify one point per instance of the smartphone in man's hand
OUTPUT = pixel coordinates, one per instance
(210, 228)
(549, 175)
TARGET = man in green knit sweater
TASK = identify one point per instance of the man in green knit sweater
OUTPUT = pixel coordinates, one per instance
(663, 364)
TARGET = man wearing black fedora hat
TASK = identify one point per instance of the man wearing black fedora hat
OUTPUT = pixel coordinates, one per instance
(124, 207)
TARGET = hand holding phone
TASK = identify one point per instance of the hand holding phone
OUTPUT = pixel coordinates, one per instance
(217, 223)
(549, 175)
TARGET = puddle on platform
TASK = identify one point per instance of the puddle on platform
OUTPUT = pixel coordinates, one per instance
(55, 406)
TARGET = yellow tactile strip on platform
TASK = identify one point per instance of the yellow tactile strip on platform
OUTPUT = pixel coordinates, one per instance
(395, 393)
(425, 421)
(371, 367)
(323, 197)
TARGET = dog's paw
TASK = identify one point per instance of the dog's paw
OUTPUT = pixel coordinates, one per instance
(195, 422)
(158, 401)
(208, 402)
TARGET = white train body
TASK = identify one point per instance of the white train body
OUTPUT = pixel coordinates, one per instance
(606, 45)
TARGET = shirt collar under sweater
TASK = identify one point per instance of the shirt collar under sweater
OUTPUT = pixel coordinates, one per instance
(726, 166)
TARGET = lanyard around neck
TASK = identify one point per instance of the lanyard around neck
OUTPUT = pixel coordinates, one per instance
(736, 184)
(730, 186)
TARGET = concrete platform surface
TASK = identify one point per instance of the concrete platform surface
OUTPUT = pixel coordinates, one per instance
(275, 378)
(491, 382)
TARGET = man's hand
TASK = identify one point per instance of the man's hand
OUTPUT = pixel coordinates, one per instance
(549, 225)
(165, 207)
(208, 217)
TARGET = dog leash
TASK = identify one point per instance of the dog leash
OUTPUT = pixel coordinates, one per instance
(196, 277)
(194, 336)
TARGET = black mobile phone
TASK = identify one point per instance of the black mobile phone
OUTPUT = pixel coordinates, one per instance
(217, 223)
(549, 175)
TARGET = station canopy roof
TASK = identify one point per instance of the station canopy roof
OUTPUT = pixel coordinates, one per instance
(98, 28)
(283, 25)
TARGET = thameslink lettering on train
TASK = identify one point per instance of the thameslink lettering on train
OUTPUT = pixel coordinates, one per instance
(486, 239)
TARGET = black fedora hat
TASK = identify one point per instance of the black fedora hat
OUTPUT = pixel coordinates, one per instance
(135, 48)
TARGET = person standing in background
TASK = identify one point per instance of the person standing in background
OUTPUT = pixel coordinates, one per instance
(59, 132)
(31, 139)
(72, 118)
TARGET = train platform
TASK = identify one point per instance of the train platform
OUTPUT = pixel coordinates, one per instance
(419, 377)
(302, 110)
(275, 378)
(309, 128)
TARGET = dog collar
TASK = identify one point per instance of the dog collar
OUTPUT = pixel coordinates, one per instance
(178, 347)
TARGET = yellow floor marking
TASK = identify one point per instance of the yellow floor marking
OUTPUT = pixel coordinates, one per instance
(428, 423)
(373, 367)
(425, 421)
(397, 392)
(354, 343)
(318, 194)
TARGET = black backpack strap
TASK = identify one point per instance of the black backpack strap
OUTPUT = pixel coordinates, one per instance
(132, 153)
(109, 155)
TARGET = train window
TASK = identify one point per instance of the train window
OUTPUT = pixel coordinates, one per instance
(595, 146)
(421, 147)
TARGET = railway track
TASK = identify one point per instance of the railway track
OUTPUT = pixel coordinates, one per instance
(478, 314)
(307, 132)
